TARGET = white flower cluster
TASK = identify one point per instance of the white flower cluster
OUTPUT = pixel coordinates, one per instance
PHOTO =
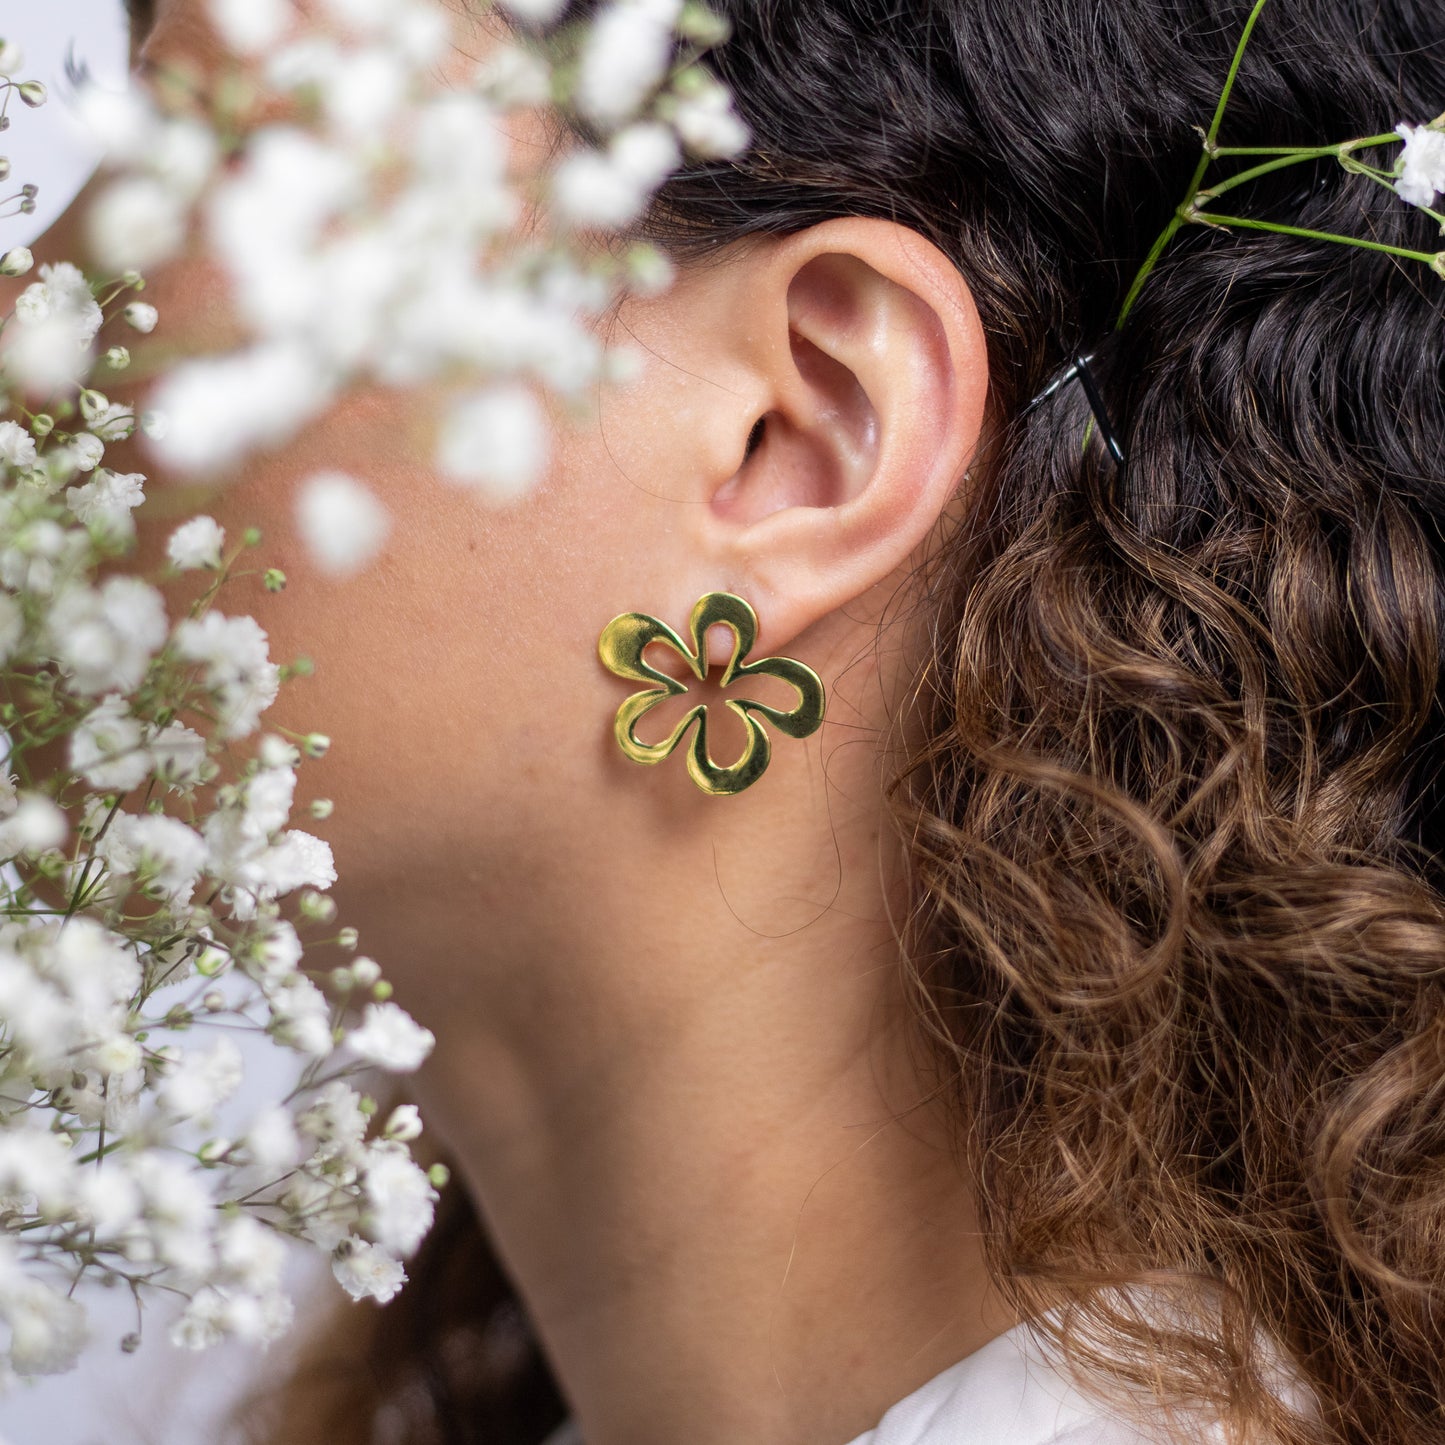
(155, 894)
(381, 233)
(147, 877)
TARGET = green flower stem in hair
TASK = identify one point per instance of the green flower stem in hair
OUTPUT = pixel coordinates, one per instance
(1192, 210)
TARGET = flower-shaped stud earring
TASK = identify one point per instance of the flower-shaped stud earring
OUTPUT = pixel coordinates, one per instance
(621, 646)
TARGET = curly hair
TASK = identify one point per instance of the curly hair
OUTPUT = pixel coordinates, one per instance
(1178, 946)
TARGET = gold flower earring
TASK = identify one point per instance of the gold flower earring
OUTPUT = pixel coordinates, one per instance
(620, 648)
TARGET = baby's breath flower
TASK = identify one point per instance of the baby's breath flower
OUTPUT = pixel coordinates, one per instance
(390, 1037)
(272, 1141)
(341, 522)
(87, 449)
(706, 121)
(17, 446)
(106, 502)
(47, 1329)
(539, 12)
(624, 57)
(201, 1081)
(496, 443)
(238, 667)
(400, 1197)
(16, 261)
(366, 1272)
(35, 825)
(107, 748)
(1421, 163)
(251, 27)
(105, 637)
(178, 754)
(196, 543)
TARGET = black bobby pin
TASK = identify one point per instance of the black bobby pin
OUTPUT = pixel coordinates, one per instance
(1079, 368)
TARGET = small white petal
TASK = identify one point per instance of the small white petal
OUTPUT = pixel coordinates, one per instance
(341, 522)
(495, 442)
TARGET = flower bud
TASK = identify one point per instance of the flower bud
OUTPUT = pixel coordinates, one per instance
(274, 579)
(343, 980)
(42, 425)
(365, 971)
(317, 906)
(4, 168)
(141, 316)
(213, 1001)
(130, 1343)
(347, 938)
(213, 1150)
(16, 261)
(117, 358)
(439, 1175)
(381, 991)
(12, 57)
(315, 745)
(276, 752)
(403, 1123)
(211, 962)
(32, 92)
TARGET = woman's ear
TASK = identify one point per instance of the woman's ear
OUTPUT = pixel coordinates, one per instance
(869, 377)
(807, 408)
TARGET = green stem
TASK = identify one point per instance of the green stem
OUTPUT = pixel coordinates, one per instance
(1342, 152)
(1244, 223)
(1293, 158)
(1363, 142)
(1178, 218)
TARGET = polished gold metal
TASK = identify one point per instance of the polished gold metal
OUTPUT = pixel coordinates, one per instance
(621, 646)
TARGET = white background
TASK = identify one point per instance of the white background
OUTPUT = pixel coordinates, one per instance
(159, 1395)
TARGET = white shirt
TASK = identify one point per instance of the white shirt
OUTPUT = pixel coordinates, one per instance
(1006, 1393)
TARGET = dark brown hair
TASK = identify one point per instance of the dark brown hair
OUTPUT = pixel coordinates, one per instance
(1179, 936)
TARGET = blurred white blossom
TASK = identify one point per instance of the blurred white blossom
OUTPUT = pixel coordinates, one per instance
(389, 1036)
(495, 442)
(341, 522)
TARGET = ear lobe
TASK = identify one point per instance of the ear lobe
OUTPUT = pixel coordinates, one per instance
(877, 405)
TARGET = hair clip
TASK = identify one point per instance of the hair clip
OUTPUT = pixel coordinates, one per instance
(1078, 368)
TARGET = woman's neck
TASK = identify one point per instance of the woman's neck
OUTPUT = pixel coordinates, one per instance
(677, 1083)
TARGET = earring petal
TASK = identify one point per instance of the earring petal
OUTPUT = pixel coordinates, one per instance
(807, 716)
(719, 781)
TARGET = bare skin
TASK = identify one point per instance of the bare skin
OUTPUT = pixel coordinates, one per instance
(674, 1065)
